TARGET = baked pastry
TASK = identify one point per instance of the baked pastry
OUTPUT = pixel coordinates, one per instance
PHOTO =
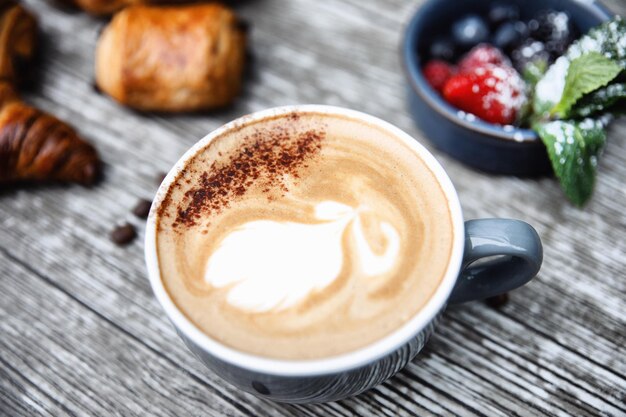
(34, 146)
(37, 147)
(107, 7)
(101, 7)
(174, 58)
(18, 35)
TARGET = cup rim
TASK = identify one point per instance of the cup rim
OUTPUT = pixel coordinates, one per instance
(341, 362)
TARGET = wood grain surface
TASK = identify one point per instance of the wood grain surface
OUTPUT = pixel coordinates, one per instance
(81, 333)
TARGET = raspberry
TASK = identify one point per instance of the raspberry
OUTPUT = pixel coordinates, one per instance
(437, 72)
(494, 93)
(481, 55)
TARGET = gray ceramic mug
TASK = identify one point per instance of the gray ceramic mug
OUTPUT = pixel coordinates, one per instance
(489, 257)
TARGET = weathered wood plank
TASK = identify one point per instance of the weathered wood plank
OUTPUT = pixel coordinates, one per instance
(554, 350)
(73, 352)
(21, 397)
(73, 355)
(542, 369)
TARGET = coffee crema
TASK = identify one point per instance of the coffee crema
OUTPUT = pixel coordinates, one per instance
(303, 236)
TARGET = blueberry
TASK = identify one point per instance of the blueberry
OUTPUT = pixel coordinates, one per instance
(502, 12)
(442, 48)
(531, 50)
(509, 35)
(469, 31)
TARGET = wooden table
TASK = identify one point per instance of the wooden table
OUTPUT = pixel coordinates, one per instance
(81, 333)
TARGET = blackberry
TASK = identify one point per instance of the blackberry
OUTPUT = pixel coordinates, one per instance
(555, 30)
(530, 50)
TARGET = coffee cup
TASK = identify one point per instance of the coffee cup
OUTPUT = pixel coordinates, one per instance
(485, 257)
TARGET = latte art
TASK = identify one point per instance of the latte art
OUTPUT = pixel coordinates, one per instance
(303, 236)
(287, 262)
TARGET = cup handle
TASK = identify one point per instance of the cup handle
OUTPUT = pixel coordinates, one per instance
(500, 255)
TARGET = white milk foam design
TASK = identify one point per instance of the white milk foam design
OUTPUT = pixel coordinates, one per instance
(286, 261)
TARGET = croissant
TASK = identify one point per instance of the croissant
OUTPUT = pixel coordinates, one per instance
(107, 7)
(18, 34)
(35, 146)
(181, 58)
(100, 7)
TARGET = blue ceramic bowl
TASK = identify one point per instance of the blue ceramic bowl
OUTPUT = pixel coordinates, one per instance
(482, 145)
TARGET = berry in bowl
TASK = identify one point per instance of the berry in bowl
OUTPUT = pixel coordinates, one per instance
(473, 67)
(483, 84)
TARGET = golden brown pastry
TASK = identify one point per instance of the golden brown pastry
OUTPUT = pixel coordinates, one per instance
(36, 147)
(7, 94)
(18, 34)
(107, 7)
(101, 7)
(181, 58)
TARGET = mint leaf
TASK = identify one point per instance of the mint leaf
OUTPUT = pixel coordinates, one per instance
(588, 80)
(601, 101)
(573, 148)
(606, 39)
(549, 89)
(585, 74)
(532, 73)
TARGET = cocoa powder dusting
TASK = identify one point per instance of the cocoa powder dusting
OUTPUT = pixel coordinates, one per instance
(268, 155)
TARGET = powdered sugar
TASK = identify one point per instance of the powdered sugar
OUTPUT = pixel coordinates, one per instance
(550, 88)
(466, 116)
(558, 148)
(507, 90)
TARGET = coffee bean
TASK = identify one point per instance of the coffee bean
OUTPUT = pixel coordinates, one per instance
(142, 208)
(497, 301)
(123, 235)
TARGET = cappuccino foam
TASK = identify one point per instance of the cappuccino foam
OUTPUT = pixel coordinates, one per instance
(303, 236)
